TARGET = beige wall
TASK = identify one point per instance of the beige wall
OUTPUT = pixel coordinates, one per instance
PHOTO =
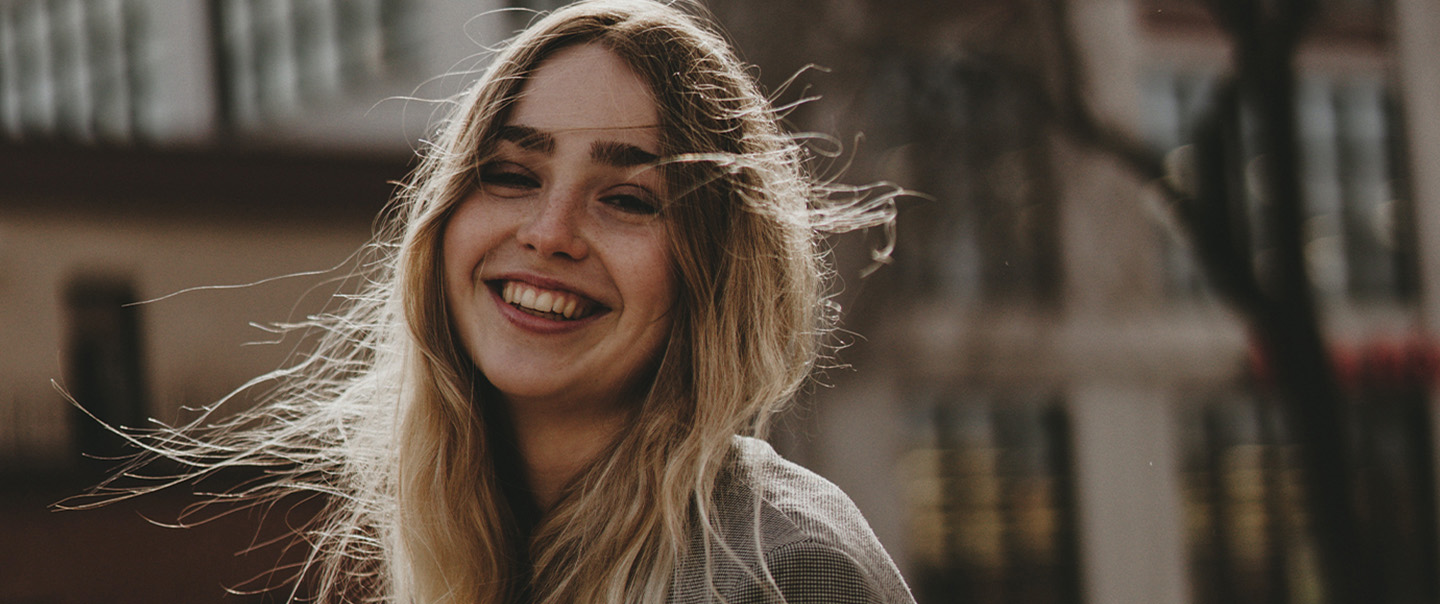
(194, 343)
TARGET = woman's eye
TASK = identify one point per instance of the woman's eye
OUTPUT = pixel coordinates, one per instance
(632, 204)
(507, 180)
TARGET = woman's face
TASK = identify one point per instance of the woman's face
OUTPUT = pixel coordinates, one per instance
(558, 270)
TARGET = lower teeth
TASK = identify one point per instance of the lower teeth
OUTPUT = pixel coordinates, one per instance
(544, 315)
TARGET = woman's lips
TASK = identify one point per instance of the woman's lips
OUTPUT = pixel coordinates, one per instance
(553, 304)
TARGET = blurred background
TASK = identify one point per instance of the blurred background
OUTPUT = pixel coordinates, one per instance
(1053, 393)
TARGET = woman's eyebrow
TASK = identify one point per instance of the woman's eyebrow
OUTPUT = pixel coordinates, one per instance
(620, 155)
(528, 138)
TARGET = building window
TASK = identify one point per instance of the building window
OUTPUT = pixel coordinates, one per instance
(73, 69)
(966, 135)
(991, 512)
(1246, 529)
(105, 372)
(1248, 526)
(1174, 101)
(1358, 242)
(277, 56)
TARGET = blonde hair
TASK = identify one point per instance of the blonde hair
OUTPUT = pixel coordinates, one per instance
(391, 421)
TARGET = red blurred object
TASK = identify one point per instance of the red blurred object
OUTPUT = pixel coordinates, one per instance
(1408, 362)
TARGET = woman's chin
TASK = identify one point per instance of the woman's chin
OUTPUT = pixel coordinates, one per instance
(529, 391)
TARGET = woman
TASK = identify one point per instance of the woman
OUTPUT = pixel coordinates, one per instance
(605, 270)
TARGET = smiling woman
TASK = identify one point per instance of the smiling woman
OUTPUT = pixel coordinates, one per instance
(558, 271)
(594, 293)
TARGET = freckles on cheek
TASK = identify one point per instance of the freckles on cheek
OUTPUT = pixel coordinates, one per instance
(457, 297)
(445, 265)
(455, 241)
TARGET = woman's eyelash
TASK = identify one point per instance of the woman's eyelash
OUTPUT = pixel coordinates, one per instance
(509, 177)
(633, 204)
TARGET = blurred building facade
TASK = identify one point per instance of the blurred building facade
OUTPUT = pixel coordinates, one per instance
(1070, 413)
(1046, 404)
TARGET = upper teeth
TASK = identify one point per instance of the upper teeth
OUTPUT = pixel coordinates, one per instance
(533, 298)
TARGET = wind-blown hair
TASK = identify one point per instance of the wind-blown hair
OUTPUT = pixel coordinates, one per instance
(391, 420)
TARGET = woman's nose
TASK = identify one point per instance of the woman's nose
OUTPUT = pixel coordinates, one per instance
(554, 228)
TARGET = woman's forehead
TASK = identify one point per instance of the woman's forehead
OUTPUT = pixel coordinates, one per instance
(586, 88)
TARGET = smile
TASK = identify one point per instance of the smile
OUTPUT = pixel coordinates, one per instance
(547, 303)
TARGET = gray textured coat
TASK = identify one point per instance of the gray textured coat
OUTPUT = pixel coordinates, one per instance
(816, 545)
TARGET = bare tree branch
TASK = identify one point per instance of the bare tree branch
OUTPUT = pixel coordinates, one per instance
(1278, 303)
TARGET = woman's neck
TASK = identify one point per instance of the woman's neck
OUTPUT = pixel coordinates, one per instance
(555, 443)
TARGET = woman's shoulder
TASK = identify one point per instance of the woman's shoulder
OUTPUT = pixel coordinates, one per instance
(814, 572)
(815, 544)
(796, 502)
